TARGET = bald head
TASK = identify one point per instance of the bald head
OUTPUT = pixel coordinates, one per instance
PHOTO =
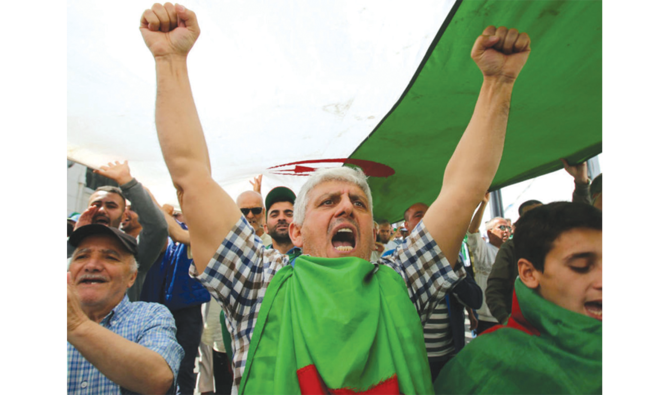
(252, 200)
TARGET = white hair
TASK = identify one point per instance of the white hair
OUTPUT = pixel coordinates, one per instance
(346, 174)
(133, 264)
(491, 224)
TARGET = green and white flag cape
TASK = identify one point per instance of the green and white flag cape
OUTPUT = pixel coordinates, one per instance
(283, 88)
(543, 349)
(338, 326)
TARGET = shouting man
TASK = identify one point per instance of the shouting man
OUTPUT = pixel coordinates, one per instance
(331, 291)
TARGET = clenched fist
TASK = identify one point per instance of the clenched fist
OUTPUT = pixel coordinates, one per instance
(501, 52)
(169, 30)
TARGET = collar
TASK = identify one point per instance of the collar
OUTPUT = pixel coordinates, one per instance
(117, 311)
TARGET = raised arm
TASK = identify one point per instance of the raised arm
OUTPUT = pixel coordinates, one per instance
(580, 173)
(476, 221)
(154, 227)
(500, 54)
(177, 233)
(170, 32)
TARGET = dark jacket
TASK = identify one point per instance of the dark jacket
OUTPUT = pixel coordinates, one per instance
(169, 283)
(466, 293)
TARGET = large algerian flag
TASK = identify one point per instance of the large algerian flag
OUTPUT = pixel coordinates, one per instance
(283, 88)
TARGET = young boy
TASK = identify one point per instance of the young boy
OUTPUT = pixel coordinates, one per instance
(552, 343)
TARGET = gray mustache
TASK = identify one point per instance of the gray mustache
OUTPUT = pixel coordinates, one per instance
(92, 277)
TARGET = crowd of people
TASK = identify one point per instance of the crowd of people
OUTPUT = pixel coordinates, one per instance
(307, 293)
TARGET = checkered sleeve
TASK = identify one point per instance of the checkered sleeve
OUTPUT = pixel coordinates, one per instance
(239, 271)
(425, 269)
(237, 277)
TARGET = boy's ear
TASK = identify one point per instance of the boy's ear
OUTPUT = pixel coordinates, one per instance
(528, 274)
(295, 233)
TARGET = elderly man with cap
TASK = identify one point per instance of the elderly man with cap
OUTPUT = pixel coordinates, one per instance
(142, 218)
(114, 345)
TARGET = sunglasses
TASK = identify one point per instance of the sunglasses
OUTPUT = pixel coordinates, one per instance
(254, 210)
(503, 227)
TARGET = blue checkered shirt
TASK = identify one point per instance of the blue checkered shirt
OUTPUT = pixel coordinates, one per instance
(241, 270)
(148, 324)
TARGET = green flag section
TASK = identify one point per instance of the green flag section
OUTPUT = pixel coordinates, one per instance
(544, 349)
(337, 326)
(556, 105)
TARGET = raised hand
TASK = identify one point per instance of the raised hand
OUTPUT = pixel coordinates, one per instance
(86, 218)
(168, 209)
(501, 52)
(256, 183)
(169, 30)
(75, 315)
(117, 171)
(579, 171)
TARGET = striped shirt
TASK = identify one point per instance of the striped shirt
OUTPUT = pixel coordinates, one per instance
(241, 270)
(148, 324)
(437, 333)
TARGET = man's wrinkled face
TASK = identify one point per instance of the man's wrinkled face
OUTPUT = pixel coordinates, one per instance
(500, 232)
(110, 208)
(100, 270)
(338, 222)
(252, 201)
(280, 216)
(414, 215)
(385, 233)
(573, 272)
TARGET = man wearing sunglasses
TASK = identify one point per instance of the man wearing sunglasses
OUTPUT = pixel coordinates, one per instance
(250, 204)
(483, 255)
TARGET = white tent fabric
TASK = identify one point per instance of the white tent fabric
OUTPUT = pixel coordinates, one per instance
(274, 82)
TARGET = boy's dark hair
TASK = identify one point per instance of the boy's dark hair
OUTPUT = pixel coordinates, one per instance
(537, 229)
(527, 203)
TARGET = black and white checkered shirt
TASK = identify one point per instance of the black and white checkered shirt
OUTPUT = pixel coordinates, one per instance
(241, 270)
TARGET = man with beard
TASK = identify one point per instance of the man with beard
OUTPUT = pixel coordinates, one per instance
(279, 205)
(142, 219)
(386, 236)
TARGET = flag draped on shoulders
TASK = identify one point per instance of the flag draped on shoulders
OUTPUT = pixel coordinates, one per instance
(543, 349)
(339, 326)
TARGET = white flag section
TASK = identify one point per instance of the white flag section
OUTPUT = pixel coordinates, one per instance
(275, 82)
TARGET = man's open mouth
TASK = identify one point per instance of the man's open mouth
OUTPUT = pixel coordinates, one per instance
(344, 239)
(101, 220)
(92, 279)
(594, 309)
